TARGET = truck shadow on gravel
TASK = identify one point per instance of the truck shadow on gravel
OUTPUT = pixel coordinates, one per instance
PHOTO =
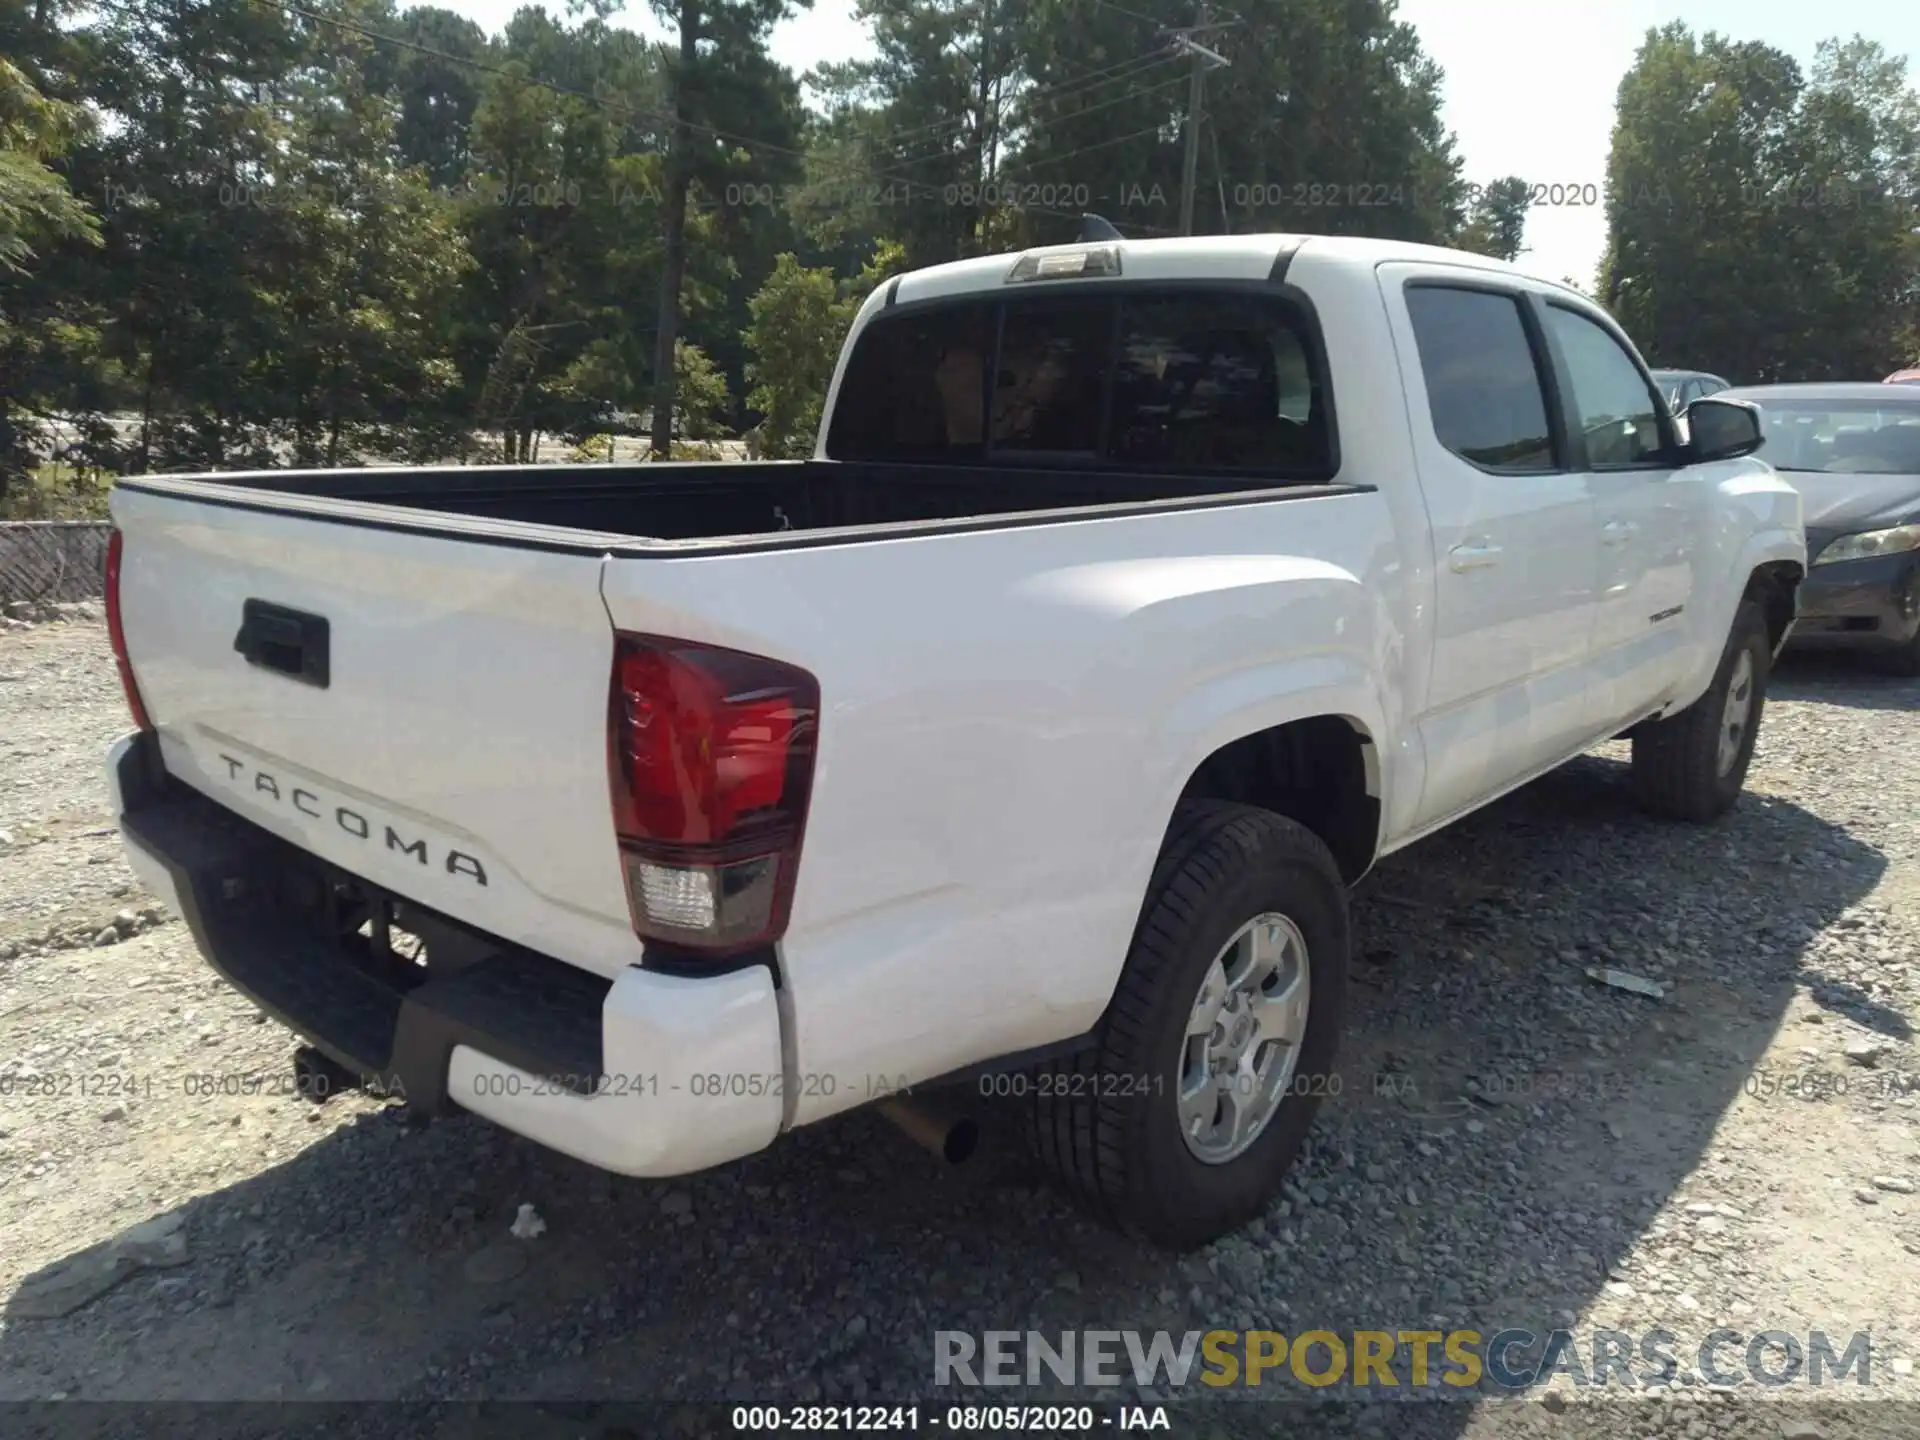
(1508, 1127)
(1854, 682)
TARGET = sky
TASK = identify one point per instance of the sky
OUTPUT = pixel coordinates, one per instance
(1529, 83)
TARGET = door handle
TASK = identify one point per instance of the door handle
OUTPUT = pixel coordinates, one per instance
(1617, 532)
(291, 642)
(1473, 557)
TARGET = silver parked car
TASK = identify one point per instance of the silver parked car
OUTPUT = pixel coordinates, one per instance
(1682, 387)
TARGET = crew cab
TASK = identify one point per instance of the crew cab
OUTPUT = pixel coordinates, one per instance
(1139, 596)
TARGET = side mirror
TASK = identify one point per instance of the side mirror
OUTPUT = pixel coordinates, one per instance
(1722, 429)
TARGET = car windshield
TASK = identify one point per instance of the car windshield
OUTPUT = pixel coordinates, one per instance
(1858, 439)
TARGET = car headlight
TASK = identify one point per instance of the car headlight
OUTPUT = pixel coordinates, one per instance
(1870, 543)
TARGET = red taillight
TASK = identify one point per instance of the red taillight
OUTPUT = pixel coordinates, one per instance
(117, 635)
(711, 759)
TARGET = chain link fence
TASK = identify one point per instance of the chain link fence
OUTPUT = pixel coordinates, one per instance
(52, 561)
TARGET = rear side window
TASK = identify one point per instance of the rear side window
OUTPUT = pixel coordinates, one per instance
(1483, 385)
(1192, 381)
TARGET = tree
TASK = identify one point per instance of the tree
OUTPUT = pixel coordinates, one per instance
(437, 93)
(1326, 121)
(800, 319)
(722, 86)
(1497, 222)
(1856, 148)
(926, 121)
(702, 392)
(1760, 222)
(37, 211)
(539, 176)
(357, 301)
(187, 163)
(793, 339)
(36, 208)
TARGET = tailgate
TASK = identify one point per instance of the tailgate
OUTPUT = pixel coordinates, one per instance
(425, 710)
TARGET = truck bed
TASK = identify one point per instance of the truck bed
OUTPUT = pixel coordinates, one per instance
(724, 499)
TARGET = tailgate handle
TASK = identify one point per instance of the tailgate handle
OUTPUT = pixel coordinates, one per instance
(289, 642)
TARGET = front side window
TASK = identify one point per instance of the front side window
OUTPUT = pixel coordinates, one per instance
(1483, 386)
(1610, 404)
(1135, 381)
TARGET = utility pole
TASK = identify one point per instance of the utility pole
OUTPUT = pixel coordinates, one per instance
(1203, 61)
(1190, 166)
(1220, 181)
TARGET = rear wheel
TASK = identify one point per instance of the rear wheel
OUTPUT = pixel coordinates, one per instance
(1218, 1048)
(1691, 766)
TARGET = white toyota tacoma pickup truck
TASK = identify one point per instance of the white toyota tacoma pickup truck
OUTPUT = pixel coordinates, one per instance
(1138, 598)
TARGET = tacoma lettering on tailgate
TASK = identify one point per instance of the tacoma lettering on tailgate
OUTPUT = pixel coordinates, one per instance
(349, 820)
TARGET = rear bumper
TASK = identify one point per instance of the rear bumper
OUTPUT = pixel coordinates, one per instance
(649, 1074)
(1869, 604)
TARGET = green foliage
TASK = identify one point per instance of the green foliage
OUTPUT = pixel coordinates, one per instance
(35, 205)
(358, 362)
(800, 318)
(795, 335)
(702, 392)
(923, 126)
(1327, 121)
(1760, 221)
(57, 492)
(1497, 220)
(242, 235)
(37, 211)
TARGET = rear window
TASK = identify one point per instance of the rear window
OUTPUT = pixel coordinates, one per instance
(1049, 378)
(916, 388)
(1226, 383)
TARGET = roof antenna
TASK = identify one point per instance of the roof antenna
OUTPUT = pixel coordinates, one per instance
(1092, 227)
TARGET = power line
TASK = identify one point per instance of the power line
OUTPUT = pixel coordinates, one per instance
(1133, 14)
(1130, 69)
(1107, 104)
(1097, 145)
(1087, 79)
(1124, 99)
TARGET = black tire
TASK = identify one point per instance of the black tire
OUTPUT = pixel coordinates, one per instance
(1105, 1123)
(1676, 762)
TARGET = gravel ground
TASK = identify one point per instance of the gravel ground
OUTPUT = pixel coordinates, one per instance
(1516, 1145)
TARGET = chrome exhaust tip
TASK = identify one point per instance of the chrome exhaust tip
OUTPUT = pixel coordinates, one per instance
(950, 1138)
